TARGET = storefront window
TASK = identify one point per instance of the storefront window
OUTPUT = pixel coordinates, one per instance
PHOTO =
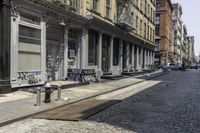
(29, 48)
(92, 47)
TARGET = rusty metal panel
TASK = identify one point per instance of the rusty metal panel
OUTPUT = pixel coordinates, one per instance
(77, 111)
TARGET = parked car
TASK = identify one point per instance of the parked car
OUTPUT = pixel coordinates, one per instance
(193, 66)
(174, 66)
(198, 65)
(162, 66)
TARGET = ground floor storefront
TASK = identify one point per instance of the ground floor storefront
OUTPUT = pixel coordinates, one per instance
(49, 46)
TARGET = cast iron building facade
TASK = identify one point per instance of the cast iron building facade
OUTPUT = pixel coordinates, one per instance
(49, 37)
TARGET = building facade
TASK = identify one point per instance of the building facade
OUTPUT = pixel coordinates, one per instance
(177, 30)
(185, 47)
(191, 51)
(163, 20)
(49, 37)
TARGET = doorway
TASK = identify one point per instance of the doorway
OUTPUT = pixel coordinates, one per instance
(54, 52)
(105, 53)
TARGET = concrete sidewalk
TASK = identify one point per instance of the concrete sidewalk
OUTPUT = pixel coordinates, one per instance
(20, 105)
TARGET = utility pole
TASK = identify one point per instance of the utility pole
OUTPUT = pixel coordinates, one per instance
(5, 31)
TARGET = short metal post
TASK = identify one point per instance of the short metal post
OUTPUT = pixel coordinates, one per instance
(38, 102)
(59, 93)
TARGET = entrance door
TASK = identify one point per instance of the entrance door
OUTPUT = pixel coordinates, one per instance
(54, 52)
(105, 53)
(53, 61)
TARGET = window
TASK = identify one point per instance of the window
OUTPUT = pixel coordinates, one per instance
(136, 3)
(141, 27)
(115, 51)
(29, 45)
(157, 48)
(141, 4)
(136, 24)
(92, 47)
(157, 19)
(151, 34)
(145, 30)
(157, 28)
(145, 7)
(108, 8)
(29, 48)
(74, 4)
(148, 32)
(95, 5)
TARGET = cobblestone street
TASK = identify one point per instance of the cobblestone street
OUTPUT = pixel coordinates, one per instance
(172, 105)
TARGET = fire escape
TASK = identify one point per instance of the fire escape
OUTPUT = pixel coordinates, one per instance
(125, 17)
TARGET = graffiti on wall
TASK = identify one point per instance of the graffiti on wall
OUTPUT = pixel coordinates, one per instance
(33, 77)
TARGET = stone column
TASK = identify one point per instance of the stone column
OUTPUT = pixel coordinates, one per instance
(145, 58)
(133, 56)
(43, 49)
(138, 58)
(148, 57)
(111, 53)
(141, 58)
(99, 71)
(153, 56)
(65, 52)
(84, 49)
(127, 54)
(121, 55)
(5, 34)
(14, 46)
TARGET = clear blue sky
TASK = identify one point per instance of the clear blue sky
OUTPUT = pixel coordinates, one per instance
(191, 18)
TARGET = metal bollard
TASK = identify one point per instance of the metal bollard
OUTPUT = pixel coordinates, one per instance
(38, 91)
(48, 91)
(59, 93)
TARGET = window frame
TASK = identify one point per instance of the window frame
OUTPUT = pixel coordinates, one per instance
(108, 8)
(95, 6)
(35, 26)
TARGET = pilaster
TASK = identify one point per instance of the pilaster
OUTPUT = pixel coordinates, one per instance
(99, 55)
(65, 52)
(5, 34)
(111, 53)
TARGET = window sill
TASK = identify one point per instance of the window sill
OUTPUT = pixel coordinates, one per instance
(108, 18)
(95, 12)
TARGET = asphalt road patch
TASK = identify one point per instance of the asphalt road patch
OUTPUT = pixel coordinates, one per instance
(78, 111)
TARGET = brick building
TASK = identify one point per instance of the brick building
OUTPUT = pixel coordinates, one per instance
(163, 20)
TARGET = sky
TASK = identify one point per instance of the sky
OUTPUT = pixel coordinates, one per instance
(191, 18)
